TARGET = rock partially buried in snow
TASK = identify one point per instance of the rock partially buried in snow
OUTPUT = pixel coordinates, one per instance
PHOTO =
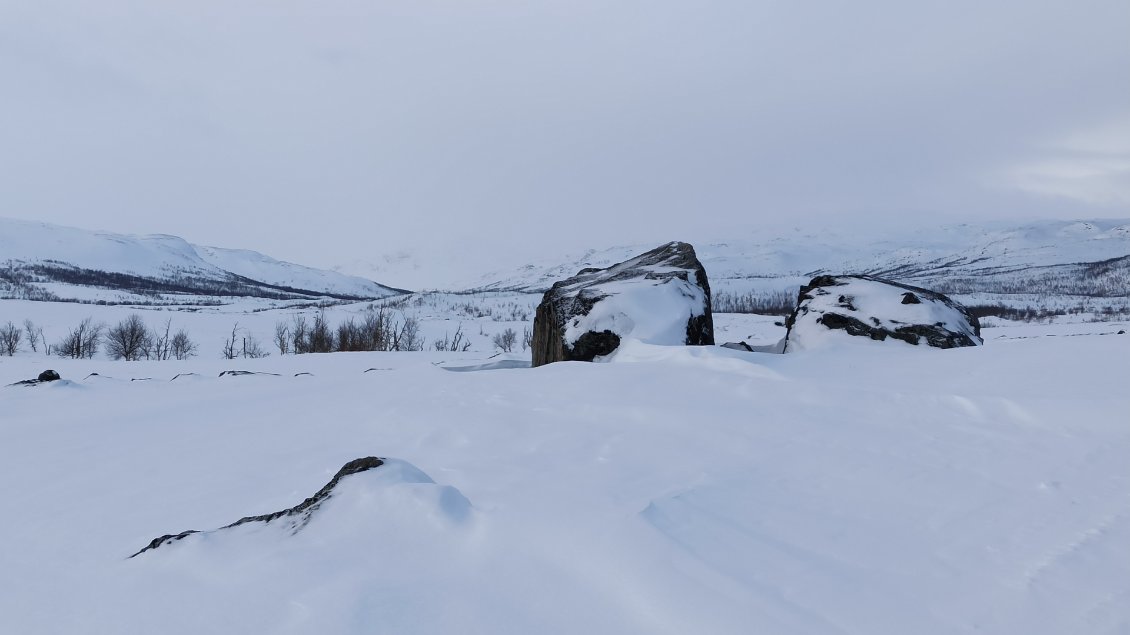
(659, 297)
(44, 377)
(389, 473)
(832, 308)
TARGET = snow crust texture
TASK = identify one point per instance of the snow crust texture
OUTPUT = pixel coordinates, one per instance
(833, 309)
(659, 297)
(876, 491)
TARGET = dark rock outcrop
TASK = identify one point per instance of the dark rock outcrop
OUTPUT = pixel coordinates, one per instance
(43, 378)
(295, 517)
(865, 306)
(661, 296)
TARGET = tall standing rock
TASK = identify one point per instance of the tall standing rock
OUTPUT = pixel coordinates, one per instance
(659, 297)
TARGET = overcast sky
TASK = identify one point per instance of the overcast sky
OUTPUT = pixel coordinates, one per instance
(328, 131)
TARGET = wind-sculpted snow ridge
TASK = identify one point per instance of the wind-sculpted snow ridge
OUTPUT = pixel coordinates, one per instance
(48, 262)
(292, 520)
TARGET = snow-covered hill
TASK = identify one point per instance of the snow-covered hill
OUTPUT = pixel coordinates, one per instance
(1050, 258)
(50, 262)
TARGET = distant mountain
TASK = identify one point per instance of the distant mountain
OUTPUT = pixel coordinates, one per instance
(40, 261)
(986, 263)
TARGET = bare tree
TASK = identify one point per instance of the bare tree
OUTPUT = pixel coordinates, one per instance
(350, 337)
(321, 338)
(298, 334)
(82, 341)
(454, 343)
(408, 337)
(282, 337)
(159, 345)
(182, 347)
(504, 341)
(527, 338)
(10, 336)
(34, 335)
(230, 350)
(374, 330)
(128, 339)
(251, 347)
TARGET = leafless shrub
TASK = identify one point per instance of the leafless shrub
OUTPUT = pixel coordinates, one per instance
(282, 337)
(230, 351)
(128, 339)
(505, 340)
(10, 336)
(182, 347)
(408, 336)
(159, 346)
(251, 347)
(298, 334)
(454, 343)
(320, 339)
(34, 335)
(82, 341)
(242, 346)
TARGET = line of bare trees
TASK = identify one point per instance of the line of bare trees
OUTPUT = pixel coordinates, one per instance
(129, 339)
(132, 340)
(376, 330)
(11, 336)
(245, 345)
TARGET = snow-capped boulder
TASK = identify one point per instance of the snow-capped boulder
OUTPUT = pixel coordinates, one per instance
(44, 377)
(832, 308)
(362, 492)
(659, 297)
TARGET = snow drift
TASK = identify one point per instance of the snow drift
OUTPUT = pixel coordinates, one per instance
(361, 483)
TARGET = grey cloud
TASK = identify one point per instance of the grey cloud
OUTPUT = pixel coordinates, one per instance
(328, 131)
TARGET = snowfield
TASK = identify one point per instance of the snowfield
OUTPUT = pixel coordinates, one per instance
(881, 489)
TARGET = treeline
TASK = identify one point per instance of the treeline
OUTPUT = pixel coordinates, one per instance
(770, 303)
(1104, 279)
(131, 339)
(481, 306)
(20, 282)
(1036, 314)
(376, 330)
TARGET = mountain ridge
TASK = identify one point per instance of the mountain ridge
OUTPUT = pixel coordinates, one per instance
(42, 261)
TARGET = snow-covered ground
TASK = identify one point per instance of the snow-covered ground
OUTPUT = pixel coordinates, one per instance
(885, 489)
(477, 317)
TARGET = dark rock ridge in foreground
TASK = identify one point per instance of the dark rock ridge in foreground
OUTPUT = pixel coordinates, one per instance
(43, 378)
(866, 306)
(580, 318)
(295, 517)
